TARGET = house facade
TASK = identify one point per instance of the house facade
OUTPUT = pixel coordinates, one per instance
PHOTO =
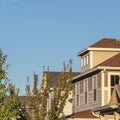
(100, 72)
(53, 82)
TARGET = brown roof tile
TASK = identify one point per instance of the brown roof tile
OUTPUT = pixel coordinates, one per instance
(55, 76)
(107, 43)
(82, 114)
(112, 62)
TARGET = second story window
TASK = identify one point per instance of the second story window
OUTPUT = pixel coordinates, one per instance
(85, 90)
(77, 92)
(115, 79)
(82, 61)
(85, 60)
(94, 88)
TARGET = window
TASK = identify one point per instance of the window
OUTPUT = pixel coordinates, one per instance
(114, 81)
(77, 92)
(77, 89)
(82, 61)
(85, 85)
(94, 88)
(85, 89)
(85, 60)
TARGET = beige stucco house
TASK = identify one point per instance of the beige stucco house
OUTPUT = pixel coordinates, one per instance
(53, 82)
(94, 86)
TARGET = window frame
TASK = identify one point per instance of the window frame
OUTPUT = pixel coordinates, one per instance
(85, 90)
(94, 85)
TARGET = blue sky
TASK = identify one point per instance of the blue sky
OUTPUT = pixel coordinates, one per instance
(37, 33)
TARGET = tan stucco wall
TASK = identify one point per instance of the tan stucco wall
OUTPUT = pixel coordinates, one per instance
(100, 56)
(68, 106)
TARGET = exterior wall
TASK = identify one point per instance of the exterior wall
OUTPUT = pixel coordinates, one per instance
(83, 119)
(93, 58)
(68, 106)
(106, 89)
(103, 91)
(109, 117)
(100, 56)
(91, 103)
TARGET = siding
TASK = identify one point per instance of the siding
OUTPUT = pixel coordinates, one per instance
(105, 97)
(106, 79)
(90, 102)
(90, 83)
(100, 56)
(81, 86)
(99, 80)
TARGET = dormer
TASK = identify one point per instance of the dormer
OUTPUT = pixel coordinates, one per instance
(98, 53)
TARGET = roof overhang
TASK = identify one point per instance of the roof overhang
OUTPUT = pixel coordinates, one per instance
(107, 109)
(93, 71)
(108, 68)
(81, 75)
(97, 49)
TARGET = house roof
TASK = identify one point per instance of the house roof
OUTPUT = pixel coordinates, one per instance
(82, 114)
(55, 76)
(107, 43)
(21, 99)
(112, 62)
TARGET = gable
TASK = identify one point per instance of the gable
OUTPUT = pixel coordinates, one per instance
(112, 62)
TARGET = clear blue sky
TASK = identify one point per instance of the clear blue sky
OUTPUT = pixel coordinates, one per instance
(34, 33)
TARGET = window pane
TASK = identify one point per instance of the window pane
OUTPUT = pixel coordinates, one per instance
(77, 102)
(112, 80)
(94, 82)
(95, 94)
(117, 79)
(85, 86)
(77, 89)
(85, 97)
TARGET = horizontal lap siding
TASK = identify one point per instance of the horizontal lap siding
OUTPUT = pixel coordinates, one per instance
(99, 80)
(90, 101)
(100, 56)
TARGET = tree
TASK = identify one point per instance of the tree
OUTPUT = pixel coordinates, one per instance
(60, 94)
(9, 105)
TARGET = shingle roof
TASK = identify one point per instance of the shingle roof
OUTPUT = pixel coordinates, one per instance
(107, 43)
(112, 62)
(55, 76)
(82, 114)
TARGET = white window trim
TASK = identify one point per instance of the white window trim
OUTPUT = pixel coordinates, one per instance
(93, 82)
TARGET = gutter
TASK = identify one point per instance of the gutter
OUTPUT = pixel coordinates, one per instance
(93, 70)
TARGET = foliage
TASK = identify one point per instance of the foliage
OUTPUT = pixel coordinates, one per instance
(9, 106)
(60, 93)
(3, 76)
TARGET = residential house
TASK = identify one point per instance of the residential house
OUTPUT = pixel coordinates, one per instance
(53, 82)
(94, 86)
